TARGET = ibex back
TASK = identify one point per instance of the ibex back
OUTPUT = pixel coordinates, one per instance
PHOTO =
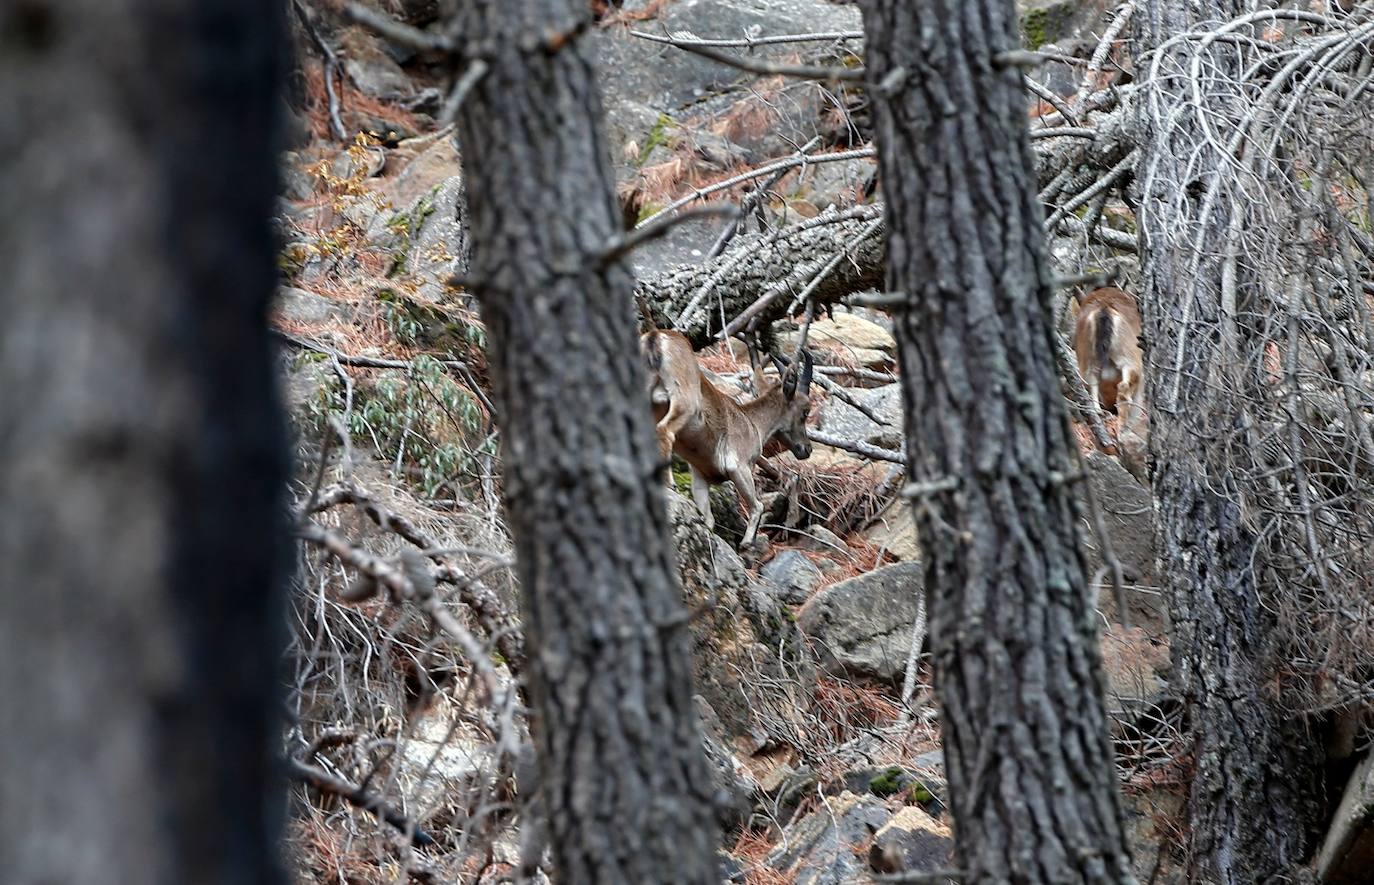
(718, 436)
(1107, 344)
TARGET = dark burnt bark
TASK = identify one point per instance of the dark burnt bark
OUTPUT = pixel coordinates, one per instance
(625, 786)
(1032, 784)
(1253, 792)
(141, 456)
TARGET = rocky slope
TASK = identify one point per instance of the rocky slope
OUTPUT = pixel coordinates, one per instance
(829, 772)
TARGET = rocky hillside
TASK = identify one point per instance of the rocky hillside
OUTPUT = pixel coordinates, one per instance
(819, 712)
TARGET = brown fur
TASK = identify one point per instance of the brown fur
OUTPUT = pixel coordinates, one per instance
(1107, 343)
(718, 436)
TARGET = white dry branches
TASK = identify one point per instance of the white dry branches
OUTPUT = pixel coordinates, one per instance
(1271, 129)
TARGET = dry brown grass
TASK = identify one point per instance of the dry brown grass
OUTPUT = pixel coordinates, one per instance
(352, 104)
(848, 709)
(610, 16)
(1084, 435)
(323, 849)
(751, 848)
(753, 116)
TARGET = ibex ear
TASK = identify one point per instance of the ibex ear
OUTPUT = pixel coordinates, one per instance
(807, 366)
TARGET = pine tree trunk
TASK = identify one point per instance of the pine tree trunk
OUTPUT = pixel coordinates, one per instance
(1254, 788)
(624, 780)
(1017, 670)
(142, 463)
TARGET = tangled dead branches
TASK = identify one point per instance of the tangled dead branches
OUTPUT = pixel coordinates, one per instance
(1267, 218)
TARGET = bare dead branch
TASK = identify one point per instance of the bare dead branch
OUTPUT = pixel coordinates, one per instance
(331, 65)
(757, 66)
(748, 42)
(873, 453)
(324, 782)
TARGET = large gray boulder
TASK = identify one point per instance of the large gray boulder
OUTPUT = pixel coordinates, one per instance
(862, 626)
(818, 849)
(911, 842)
(843, 420)
(793, 573)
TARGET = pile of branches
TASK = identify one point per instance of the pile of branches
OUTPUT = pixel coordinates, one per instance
(407, 730)
(1285, 101)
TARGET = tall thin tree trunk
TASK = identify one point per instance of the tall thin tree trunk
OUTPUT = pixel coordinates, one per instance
(1254, 791)
(141, 454)
(1032, 784)
(624, 779)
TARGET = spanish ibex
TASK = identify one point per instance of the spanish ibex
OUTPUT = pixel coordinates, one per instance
(1107, 344)
(718, 436)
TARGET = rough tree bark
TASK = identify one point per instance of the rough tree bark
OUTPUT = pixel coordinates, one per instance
(759, 264)
(625, 786)
(141, 458)
(1032, 783)
(1254, 792)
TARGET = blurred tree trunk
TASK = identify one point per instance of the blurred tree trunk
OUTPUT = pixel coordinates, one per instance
(141, 456)
(1032, 783)
(625, 786)
(1254, 791)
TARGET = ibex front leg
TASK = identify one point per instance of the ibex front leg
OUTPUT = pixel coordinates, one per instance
(743, 478)
(701, 494)
(667, 429)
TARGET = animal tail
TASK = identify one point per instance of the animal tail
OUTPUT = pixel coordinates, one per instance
(1102, 344)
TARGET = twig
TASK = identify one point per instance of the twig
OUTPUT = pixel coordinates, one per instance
(1064, 132)
(836, 390)
(873, 453)
(879, 300)
(1045, 94)
(744, 42)
(938, 877)
(402, 583)
(1019, 58)
(869, 230)
(623, 244)
(331, 63)
(356, 796)
(752, 201)
(860, 374)
(768, 297)
(472, 594)
(769, 169)
(1104, 46)
(925, 489)
(766, 68)
(476, 70)
(361, 362)
(1105, 550)
(1113, 176)
(913, 655)
(396, 32)
(1115, 239)
(1095, 278)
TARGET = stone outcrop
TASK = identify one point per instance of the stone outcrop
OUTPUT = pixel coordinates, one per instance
(862, 626)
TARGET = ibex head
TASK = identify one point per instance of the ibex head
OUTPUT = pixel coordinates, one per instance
(796, 394)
